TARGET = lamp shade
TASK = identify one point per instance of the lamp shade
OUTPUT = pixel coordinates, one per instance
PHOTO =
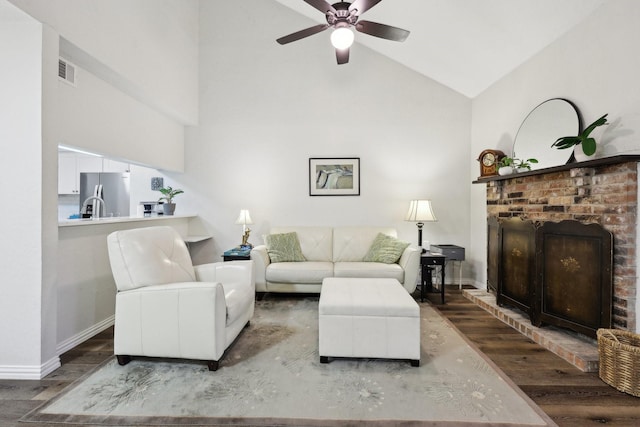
(420, 211)
(244, 218)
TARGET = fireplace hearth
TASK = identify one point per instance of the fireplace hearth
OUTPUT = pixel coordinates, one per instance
(577, 349)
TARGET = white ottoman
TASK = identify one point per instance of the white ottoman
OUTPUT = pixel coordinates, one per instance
(373, 318)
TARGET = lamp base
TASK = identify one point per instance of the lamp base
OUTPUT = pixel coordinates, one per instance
(420, 224)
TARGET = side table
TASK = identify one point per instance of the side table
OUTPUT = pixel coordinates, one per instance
(237, 255)
(428, 261)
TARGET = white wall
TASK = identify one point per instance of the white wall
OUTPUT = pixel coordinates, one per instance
(595, 65)
(149, 46)
(144, 75)
(97, 117)
(265, 109)
(137, 81)
(26, 351)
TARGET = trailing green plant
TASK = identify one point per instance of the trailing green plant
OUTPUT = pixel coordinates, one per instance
(169, 193)
(507, 161)
(588, 143)
(524, 163)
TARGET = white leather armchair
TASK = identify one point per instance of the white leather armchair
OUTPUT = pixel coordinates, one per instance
(166, 307)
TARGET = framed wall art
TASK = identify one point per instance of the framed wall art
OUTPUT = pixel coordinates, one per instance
(334, 176)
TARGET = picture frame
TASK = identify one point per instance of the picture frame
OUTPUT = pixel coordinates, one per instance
(334, 176)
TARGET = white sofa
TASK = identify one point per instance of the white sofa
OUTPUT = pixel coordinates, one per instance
(331, 252)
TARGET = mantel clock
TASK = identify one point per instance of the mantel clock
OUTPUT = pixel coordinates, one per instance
(489, 162)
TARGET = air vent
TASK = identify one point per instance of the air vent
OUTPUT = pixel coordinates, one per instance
(67, 71)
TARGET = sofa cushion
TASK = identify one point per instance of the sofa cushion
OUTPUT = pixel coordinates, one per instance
(385, 249)
(352, 243)
(299, 272)
(316, 242)
(284, 247)
(368, 269)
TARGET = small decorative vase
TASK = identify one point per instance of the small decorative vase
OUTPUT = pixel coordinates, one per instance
(168, 208)
(505, 170)
(519, 170)
(579, 155)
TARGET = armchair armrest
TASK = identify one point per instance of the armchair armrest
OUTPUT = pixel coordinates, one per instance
(226, 272)
(174, 308)
(410, 263)
(261, 260)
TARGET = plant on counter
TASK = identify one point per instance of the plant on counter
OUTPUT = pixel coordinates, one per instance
(588, 143)
(168, 194)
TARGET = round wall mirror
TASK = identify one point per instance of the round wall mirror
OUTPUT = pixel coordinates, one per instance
(546, 123)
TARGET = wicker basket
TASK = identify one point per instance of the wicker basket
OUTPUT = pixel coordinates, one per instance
(620, 359)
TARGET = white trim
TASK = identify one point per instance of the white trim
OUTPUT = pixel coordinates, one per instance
(29, 372)
(78, 339)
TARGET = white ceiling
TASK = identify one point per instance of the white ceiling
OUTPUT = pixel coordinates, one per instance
(466, 45)
(9, 13)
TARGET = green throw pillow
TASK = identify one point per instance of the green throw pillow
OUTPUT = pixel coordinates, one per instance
(284, 247)
(385, 249)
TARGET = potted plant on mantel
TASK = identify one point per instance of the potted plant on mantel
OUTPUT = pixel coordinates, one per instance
(583, 140)
(524, 165)
(506, 165)
(509, 165)
(168, 194)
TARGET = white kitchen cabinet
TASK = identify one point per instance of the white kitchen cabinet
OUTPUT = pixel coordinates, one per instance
(67, 181)
(109, 165)
(70, 165)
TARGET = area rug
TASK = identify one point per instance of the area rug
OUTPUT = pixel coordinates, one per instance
(272, 376)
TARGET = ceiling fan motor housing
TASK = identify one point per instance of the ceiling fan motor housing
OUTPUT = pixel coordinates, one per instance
(342, 14)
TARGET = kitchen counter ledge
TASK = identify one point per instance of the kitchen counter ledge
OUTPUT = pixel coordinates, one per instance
(112, 220)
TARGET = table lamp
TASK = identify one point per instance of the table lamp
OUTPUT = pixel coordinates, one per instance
(420, 211)
(245, 218)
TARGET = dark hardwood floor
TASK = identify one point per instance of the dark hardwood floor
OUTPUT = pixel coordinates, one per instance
(570, 397)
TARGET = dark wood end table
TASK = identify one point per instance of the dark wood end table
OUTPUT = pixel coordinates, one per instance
(429, 261)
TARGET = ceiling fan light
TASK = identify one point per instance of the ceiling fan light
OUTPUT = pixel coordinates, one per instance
(342, 38)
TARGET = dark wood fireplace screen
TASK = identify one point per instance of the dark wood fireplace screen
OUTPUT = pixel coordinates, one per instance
(559, 273)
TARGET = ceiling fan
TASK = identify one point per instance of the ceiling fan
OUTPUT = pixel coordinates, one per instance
(342, 16)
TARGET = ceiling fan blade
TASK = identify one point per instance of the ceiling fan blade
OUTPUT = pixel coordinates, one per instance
(342, 55)
(362, 6)
(321, 5)
(302, 33)
(383, 31)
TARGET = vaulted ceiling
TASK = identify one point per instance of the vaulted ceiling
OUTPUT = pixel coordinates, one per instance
(466, 45)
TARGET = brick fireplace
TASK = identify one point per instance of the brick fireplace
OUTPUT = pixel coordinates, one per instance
(602, 191)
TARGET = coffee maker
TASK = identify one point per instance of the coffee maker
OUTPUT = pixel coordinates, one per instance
(151, 208)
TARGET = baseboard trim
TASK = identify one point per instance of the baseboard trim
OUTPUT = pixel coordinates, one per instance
(37, 372)
(29, 372)
(78, 339)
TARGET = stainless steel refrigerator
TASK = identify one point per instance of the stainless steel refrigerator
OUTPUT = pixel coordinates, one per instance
(112, 187)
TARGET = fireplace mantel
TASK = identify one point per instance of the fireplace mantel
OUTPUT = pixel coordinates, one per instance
(588, 164)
